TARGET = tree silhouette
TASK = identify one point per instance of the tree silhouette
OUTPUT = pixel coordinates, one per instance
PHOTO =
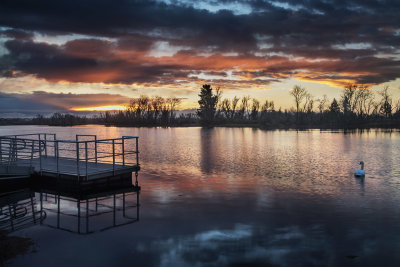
(299, 93)
(208, 104)
(386, 106)
(334, 108)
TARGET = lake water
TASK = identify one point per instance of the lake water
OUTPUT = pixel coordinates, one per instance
(240, 196)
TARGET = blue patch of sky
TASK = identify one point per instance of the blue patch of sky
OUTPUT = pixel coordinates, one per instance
(289, 6)
(214, 6)
(3, 39)
(286, 5)
(3, 50)
(62, 39)
(352, 46)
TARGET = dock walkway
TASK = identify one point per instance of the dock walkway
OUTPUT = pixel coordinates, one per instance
(84, 159)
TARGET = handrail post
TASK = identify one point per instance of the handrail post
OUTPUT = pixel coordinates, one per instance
(54, 144)
(10, 145)
(32, 152)
(77, 159)
(40, 155)
(137, 151)
(1, 150)
(45, 145)
(123, 150)
(113, 148)
(86, 160)
(95, 147)
(57, 157)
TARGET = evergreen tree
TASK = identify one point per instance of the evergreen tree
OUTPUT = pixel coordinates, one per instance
(208, 104)
(334, 106)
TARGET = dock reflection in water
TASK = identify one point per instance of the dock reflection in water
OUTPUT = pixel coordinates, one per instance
(85, 214)
(18, 210)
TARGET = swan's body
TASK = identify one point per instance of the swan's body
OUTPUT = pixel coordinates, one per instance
(360, 172)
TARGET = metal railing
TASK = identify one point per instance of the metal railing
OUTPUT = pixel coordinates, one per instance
(84, 156)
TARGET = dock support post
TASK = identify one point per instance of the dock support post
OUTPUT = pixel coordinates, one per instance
(96, 203)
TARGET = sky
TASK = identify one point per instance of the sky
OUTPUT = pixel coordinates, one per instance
(73, 55)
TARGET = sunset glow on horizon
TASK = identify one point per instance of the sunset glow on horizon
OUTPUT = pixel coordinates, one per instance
(101, 108)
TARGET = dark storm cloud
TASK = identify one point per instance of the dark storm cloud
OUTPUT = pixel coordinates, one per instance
(302, 31)
(17, 34)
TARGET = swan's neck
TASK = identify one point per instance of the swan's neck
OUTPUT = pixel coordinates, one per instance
(362, 165)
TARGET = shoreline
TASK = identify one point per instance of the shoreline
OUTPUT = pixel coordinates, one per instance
(228, 125)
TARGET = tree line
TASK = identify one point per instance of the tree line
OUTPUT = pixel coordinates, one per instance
(357, 107)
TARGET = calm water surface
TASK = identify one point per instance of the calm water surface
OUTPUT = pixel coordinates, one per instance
(239, 196)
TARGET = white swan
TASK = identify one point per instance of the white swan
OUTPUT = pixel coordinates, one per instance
(360, 172)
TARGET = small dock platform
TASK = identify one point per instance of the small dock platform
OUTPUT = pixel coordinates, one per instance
(79, 164)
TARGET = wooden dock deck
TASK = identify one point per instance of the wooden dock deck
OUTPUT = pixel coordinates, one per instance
(84, 160)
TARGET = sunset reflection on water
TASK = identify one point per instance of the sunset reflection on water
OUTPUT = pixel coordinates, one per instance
(231, 196)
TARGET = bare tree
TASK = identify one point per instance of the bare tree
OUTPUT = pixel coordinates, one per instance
(255, 107)
(235, 102)
(226, 108)
(349, 98)
(244, 107)
(173, 103)
(308, 103)
(363, 97)
(322, 103)
(386, 102)
(299, 93)
(268, 106)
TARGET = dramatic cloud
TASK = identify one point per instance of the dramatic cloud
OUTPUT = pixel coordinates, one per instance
(39, 101)
(233, 43)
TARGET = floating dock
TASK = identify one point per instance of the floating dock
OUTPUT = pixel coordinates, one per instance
(81, 165)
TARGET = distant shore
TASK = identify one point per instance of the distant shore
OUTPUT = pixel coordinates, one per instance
(372, 125)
